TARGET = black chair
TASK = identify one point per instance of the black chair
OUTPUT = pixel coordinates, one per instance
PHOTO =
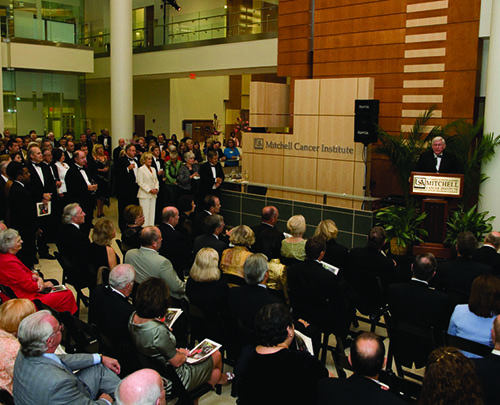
(80, 336)
(178, 389)
(374, 315)
(72, 275)
(7, 291)
(406, 389)
(468, 345)
(340, 358)
(6, 398)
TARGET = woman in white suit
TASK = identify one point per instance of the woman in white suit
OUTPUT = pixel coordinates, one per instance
(147, 180)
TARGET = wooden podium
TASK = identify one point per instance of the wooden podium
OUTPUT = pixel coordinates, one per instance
(436, 189)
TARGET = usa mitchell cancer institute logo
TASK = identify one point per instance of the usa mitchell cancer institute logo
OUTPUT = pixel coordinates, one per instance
(258, 143)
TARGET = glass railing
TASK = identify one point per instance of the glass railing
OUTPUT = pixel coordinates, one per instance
(202, 26)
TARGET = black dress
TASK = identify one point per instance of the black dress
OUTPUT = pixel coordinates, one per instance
(102, 192)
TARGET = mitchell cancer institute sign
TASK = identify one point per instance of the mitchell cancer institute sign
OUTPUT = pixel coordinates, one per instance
(437, 184)
(261, 144)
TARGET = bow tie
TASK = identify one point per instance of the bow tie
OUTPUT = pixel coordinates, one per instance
(439, 156)
(37, 164)
(80, 168)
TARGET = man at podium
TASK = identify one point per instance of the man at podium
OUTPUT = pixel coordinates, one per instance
(437, 160)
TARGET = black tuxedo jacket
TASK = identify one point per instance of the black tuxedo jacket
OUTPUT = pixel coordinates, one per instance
(69, 159)
(336, 254)
(209, 240)
(36, 187)
(126, 181)
(199, 220)
(22, 210)
(207, 179)
(267, 240)
(73, 243)
(101, 138)
(53, 171)
(78, 189)
(176, 248)
(116, 153)
(357, 390)
(488, 255)
(427, 163)
(488, 371)
(3, 200)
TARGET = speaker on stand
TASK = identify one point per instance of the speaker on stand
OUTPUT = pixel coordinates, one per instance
(366, 131)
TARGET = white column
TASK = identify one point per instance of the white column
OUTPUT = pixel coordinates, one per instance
(121, 70)
(490, 189)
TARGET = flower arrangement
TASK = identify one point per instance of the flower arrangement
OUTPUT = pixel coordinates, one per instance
(242, 124)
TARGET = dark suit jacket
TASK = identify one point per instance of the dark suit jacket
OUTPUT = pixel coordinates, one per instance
(116, 153)
(315, 296)
(36, 187)
(488, 255)
(357, 390)
(78, 190)
(125, 180)
(199, 220)
(72, 242)
(176, 248)
(101, 138)
(267, 240)
(455, 278)
(336, 254)
(209, 240)
(67, 159)
(3, 200)
(207, 179)
(427, 163)
(415, 303)
(488, 371)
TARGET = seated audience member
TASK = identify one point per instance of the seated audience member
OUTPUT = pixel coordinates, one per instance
(273, 373)
(335, 253)
(488, 253)
(147, 262)
(110, 310)
(175, 246)
(12, 313)
(213, 237)
(44, 378)
(365, 265)
(211, 206)
(232, 154)
(246, 301)
(417, 304)
(315, 293)
(488, 368)
(367, 360)
(186, 208)
(294, 246)
(473, 321)
(450, 379)
(24, 283)
(134, 220)
(154, 339)
(242, 237)
(267, 237)
(455, 277)
(144, 387)
(101, 252)
(72, 242)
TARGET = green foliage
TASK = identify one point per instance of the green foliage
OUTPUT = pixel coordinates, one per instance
(404, 149)
(402, 223)
(468, 221)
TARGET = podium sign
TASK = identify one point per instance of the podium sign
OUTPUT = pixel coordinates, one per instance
(437, 185)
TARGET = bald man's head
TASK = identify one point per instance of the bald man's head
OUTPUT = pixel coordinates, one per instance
(270, 215)
(143, 387)
(367, 354)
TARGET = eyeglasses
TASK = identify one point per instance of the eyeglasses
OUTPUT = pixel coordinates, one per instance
(59, 329)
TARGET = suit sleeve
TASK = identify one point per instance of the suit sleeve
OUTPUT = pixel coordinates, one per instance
(65, 391)
(168, 274)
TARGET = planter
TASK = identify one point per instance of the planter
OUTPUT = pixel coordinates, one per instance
(398, 250)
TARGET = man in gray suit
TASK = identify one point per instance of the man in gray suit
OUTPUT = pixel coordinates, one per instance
(147, 262)
(42, 377)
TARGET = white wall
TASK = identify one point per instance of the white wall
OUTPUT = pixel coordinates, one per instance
(197, 99)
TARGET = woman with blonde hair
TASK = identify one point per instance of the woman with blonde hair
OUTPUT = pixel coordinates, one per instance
(101, 252)
(294, 247)
(147, 180)
(12, 313)
(242, 237)
(335, 254)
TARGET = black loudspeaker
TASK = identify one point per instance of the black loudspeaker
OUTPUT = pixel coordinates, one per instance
(366, 121)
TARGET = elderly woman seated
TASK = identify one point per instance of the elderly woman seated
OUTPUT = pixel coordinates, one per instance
(293, 375)
(25, 284)
(12, 313)
(242, 237)
(294, 247)
(154, 339)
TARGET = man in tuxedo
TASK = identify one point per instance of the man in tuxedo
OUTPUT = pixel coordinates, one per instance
(72, 242)
(47, 160)
(455, 277)
(212, 238)
(267, 237)
(53, 141)
(22, 213)
(175, 246)
(56, 384)
(211, 206)
(487, 254)
(488, 368)
(127, 188)
(415, 303)
(81, 189)
(367, 358)
(68, 153)
(118, 149)
(4, 162)
(42, 188)
(437, 160)
(211, 175)
(105, 140)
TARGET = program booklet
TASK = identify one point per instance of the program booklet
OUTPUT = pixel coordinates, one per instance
(171, 316)
(202, 351)
(329, 267)
(304, 343)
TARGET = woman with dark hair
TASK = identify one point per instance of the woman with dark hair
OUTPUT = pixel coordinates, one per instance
(450, 379)
(293, 375)
(134, 219)
(474, 321)
(186, 208)
(232, 154)
(154, 339)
